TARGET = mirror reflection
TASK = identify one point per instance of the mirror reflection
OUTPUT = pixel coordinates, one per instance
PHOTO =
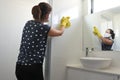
(101, 30)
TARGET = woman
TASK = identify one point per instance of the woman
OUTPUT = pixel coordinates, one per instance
(33, 43)
(107, 39)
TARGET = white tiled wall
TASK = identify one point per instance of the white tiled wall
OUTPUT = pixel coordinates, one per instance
(67, 48)
(114, 55)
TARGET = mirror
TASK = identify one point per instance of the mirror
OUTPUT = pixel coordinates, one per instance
(102, 20)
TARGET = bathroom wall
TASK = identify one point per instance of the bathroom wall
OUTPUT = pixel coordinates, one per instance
(116, 26)
(67, 48)
(13, 15)
(90, 40)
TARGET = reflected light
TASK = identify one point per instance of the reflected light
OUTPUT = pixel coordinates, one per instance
(100, 5)
(72, 12)
(117, 33)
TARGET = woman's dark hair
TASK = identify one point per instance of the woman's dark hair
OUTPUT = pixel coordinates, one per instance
(41, 10)
(112, 33)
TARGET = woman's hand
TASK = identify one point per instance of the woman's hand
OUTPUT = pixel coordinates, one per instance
(65, 22)
(96, 32)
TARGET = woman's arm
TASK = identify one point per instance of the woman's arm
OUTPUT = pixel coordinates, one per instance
(64, 23)
(106, 41)
(56, 32)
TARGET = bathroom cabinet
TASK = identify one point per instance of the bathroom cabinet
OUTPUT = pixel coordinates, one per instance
(118, 78)
(80, 74)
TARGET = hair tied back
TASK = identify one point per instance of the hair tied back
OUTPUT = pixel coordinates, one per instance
(36, 12)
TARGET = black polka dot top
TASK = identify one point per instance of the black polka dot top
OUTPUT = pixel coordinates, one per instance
(33, 43)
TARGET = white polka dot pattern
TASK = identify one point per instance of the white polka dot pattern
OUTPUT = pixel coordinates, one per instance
(33, 44)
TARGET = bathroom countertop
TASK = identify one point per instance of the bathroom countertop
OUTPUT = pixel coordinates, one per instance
(110, 70)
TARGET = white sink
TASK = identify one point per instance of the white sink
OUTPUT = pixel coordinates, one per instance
(95, 62)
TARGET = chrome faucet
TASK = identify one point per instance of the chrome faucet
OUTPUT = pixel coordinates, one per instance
(86, 52)
(89, 50)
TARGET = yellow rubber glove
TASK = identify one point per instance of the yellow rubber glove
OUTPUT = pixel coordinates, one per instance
(65, 22)
(96, 32)
(68, 23)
